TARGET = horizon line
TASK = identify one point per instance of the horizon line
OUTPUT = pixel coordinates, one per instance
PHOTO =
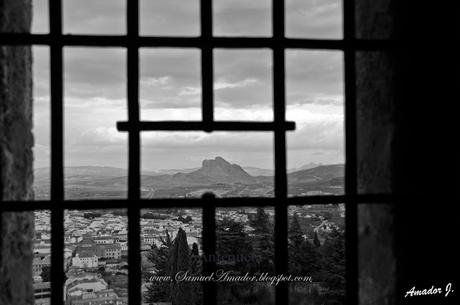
(188, 168)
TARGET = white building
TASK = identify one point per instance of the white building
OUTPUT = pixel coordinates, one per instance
(85, 261)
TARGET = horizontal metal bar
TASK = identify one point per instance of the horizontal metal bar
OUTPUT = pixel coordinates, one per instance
(205, 126)
(193, 42)
(192, 203)
(25, 39)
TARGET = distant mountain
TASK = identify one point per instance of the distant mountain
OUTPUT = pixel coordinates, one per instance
(170, 171)
(305, 166)
(217, 174)
(80, 174)
(255, 171)
(216, 171)
(72, 171)
(316, 174)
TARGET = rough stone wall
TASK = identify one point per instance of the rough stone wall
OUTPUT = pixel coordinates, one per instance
(15, 16)
(376, 19)
(376, 130)
(16, 141)
(376, 121)
(376, 125)
(377, 259)
(407, 120)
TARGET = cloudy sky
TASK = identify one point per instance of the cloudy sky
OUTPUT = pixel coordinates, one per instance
(170, 85)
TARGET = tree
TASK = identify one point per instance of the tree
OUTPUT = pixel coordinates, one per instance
(295, 231)
(263, 242)
(261, 221)
(196, 269)
(167, 240)
(179, 259)
(159, 256)
(316, 241)
(46, 273)
(232, 242)
(333, 265)
(195, 260)
(303, 255)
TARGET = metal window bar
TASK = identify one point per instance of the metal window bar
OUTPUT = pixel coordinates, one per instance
(57, 156)
(206, 43)
(279, 109)
(351, 178)
(134, 257)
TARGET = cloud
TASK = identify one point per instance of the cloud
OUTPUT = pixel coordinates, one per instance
(94, 17)
(243, 78)
(304, 18)
(92, 139)
(170, 84)
(192, 113)
(318, 136)
(159, 81)
(172, 77)
(242, 17)
(219, 85)
(314, 77)
(185, 91)
(41, 72)
(177, 78)
(99, 136)
(307, 113)
(314, 19)
(188, 149)
(319, 133)
(40, 20)
(237, 65)
(255, 113)
(320, 130)
(95, 72)
(170, 17)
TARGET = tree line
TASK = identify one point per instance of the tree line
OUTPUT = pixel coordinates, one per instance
(308, 256)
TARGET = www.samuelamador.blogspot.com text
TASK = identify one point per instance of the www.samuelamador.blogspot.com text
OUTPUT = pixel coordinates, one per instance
(231, 276)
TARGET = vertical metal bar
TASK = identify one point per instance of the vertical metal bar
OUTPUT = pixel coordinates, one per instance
(134, 259)
(206, 18)
(57, 156)
(278, 25)
(281, 215)
(351, 213)
(207, 110)
(207, 79)
(57, 255)
(57, 140)
(279, 106)
(207, 74)
(209, 249)
(133, 101)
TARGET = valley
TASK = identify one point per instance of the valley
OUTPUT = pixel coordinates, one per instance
(218, 176)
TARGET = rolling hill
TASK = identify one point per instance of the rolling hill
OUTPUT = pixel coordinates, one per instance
(216, 175)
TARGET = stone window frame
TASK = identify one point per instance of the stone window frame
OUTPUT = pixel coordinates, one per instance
(206, 42)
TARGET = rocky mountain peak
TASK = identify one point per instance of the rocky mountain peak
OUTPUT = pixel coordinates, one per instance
(223, 171)
(217, 162)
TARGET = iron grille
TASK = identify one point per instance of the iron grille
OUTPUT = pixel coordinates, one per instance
(278, 43)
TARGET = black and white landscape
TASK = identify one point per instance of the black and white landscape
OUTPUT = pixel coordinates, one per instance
(189, 164)
(97, 248)
(217, 175)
